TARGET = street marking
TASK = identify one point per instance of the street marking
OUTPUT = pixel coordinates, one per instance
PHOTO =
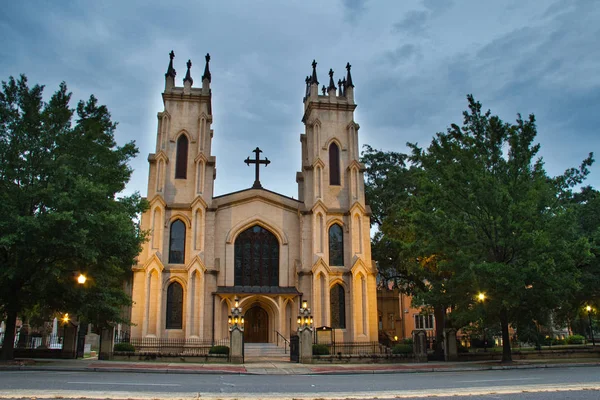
(498, 380)
(124, 383)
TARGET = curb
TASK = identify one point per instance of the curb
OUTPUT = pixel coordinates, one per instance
(340, 371)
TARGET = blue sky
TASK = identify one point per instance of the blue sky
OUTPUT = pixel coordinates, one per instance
(413, 63)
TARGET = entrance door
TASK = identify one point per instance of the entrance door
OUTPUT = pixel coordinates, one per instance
(256, 329)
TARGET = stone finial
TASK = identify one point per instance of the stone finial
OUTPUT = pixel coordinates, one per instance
(344, 86)
(341, 92)
(331, 82)
(170, 70)
(313, 79)
(206, 74)
(349, 76)
(188, 75)
(324, 90)
(307, 81)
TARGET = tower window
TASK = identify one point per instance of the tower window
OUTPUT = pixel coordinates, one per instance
(174, 306)
(336, 245)
(338, 306)
(177, 243)
(182, 158)
(334, 164)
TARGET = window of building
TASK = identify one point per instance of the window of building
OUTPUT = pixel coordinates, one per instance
(256, 258)
(182, 158)
(177, 243)
(334, 164)
(336, 245)
(424, 321)
(174, 306)
(337, 297)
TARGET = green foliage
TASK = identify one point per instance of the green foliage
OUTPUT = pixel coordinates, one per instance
(124, 347)
(320, 350)
(575, 339)
(478, 213)
(402, 349)
(219, 350)
(59, 211)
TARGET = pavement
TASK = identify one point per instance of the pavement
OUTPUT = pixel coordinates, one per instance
(282, 368)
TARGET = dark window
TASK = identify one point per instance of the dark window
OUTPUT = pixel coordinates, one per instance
(177, 243)
(337, 297)
(334, 164)
(174, 306)
(182, 158)
(336, 245)
(256, 258)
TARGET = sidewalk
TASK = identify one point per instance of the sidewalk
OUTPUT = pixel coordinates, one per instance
(283, 368)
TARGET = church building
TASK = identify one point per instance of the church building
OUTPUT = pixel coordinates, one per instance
(267, 249)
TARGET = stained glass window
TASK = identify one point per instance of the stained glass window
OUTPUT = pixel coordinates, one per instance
(337, 297)
(256, 258)
(336, 245)
(177, 243)
(174, 306)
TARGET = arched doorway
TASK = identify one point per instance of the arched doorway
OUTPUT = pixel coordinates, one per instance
(256, 325)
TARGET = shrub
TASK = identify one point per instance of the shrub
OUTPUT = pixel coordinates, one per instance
(219, 350)
(320, 350)
(575, 339)
(402, 349)
(408, 341)
(124, 347)
(461, 349)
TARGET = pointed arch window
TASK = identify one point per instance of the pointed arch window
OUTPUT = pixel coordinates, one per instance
(182, 158)
(174, 306)
(337, 297)
(336, 245)
(256, 258)
(334, 164)
(177, 243)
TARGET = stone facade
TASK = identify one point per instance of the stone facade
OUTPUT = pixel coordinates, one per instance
(204, 250)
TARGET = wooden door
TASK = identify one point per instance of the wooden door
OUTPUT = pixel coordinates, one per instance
(256, 329)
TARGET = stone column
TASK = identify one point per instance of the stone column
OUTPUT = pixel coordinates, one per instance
(236, 346)
(107, 342)
(306, 342)
(420, 345)
(450, 348)
(69, 346)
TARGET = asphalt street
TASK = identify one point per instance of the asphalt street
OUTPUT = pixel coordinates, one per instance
(505, 383)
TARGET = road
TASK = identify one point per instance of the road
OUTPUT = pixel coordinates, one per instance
(551, 383)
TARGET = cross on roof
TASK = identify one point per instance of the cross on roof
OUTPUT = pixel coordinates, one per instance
(257, 161)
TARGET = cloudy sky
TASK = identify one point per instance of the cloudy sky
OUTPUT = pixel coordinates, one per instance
(413, 62)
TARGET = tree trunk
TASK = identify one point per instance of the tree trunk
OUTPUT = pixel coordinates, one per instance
(506, 351)
(8, 347)
(439, 312)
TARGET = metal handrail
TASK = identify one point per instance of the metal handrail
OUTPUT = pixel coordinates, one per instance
(285, 341)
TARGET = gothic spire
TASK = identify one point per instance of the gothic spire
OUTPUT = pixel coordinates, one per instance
(331, 82)
(188, 75)
(171, 71)
(349, 76)
(313, 79)
(344, 86)
(206, 69)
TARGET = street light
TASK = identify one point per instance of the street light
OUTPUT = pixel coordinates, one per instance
(81, 279)
(481, 299)
(589, 311)
(305, 319)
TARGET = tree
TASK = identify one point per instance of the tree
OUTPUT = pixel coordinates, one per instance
(487, 206)
(59, 211)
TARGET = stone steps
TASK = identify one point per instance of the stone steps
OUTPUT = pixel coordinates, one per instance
(265, 352)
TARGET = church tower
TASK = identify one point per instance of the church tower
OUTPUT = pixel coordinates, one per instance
(336, 218)
(180, 189)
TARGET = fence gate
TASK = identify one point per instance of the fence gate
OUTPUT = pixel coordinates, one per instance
(294, 348)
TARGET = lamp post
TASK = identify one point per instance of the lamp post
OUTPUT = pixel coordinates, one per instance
(236, 333)
(589, 311)
(481, 299)
(305, 320)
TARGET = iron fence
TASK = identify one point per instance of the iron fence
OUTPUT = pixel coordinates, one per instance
(35, 341)
(357, 348)
(189, 347)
